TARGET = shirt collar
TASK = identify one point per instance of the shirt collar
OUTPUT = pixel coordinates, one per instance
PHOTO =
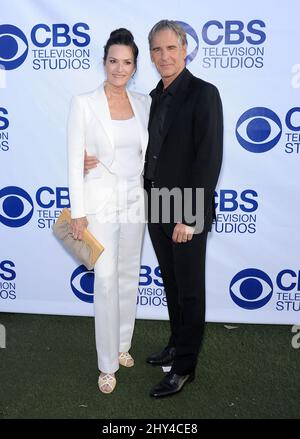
(173, 87)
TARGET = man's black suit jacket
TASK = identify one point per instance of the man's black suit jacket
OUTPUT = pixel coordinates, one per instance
(191, 152)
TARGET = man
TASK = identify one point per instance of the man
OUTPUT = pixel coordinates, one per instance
(184, 151)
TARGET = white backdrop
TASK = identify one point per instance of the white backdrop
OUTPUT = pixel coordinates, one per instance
(52, 49)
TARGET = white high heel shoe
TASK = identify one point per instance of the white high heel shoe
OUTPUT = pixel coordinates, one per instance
(125, 359)
(107, 379)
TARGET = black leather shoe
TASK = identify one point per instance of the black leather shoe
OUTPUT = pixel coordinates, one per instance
(171, 384)
(163, 358)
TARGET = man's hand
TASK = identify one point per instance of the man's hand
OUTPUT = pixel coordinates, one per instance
(182, 233)
(78, 225)
(90, 162)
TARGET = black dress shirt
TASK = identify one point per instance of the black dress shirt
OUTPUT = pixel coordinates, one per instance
(161, 102)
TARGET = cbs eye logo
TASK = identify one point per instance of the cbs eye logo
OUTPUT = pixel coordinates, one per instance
(82, 284)
(192, 33)
(13, 47)
(258, 129)
(251, 288)
(16, 207)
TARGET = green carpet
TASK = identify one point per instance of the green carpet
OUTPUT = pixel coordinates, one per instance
(49, 370)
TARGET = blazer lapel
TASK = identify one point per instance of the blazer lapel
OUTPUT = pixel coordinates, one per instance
(99, 105)
(100, 108)
(152, 94)
(138, 115)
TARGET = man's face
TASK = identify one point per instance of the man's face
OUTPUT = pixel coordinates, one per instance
(168, 54)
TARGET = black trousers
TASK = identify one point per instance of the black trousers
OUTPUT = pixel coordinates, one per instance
(183, 272)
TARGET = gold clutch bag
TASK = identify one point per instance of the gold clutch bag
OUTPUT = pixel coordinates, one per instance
(86, 251)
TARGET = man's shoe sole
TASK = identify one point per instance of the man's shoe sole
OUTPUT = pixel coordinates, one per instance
(160, 363)
(162, 395)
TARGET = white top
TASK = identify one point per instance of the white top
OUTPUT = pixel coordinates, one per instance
(128, 148)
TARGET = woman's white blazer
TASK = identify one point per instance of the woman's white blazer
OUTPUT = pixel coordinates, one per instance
(90, 128)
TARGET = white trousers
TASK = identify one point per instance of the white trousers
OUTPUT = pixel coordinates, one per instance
(117, 274)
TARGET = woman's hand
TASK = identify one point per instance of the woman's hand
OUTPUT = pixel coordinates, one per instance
(78, 225)
(90, 162)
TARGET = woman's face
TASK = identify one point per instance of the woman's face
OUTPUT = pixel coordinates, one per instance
(119, 65)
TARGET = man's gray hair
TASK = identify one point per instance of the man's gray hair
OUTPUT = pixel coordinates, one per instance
(171, 25)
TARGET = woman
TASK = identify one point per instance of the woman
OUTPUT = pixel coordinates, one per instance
(111, 123)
